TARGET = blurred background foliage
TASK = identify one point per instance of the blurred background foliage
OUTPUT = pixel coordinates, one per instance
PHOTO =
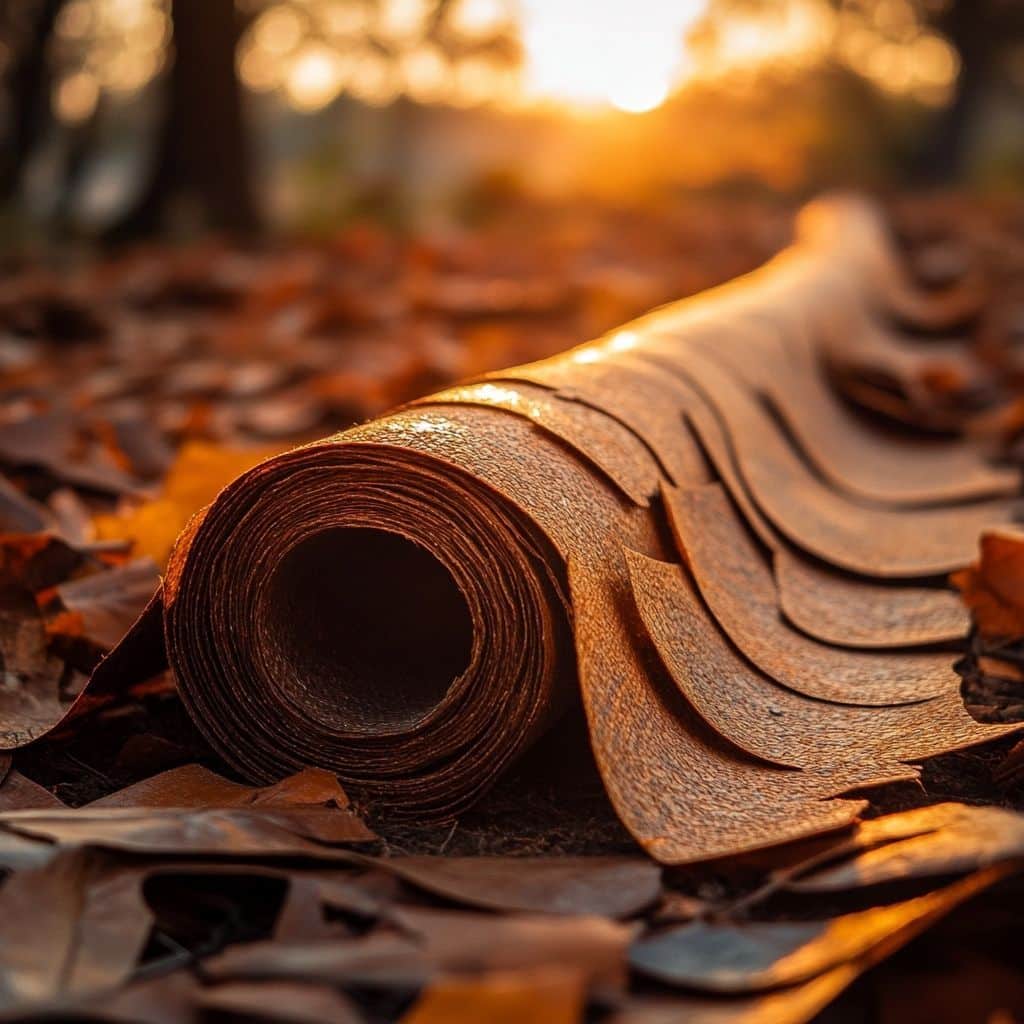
(123, 119)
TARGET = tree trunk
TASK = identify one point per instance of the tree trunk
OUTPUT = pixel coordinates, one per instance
(201, 153)
(30, 98)
(945, 157)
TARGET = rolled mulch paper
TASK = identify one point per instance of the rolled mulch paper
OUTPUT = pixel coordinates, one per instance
(682, 522)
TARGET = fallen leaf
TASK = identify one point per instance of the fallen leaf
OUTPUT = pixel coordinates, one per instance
(433, 942)
(947, 839)
(279, 1001)
(756, 956)
(294, 832)
(102, 607)
(193, 785)
(610, 886)
(19, 513)
(18, 793)
(993, 587)
(30, 701)
(502, 997)
(199, 472)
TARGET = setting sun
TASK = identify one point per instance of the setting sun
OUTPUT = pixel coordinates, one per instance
(605, 53)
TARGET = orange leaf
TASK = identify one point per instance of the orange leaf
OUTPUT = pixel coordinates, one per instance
(993, 587)
(199, 473)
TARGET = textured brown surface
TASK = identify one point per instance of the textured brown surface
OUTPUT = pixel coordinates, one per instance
(668, 774)
(851, 612)
(404, 604)
(825, 602)
(839, 745)
(872, 540)
(612, 886)
(737, 584)
(622, 457)
(853, 454)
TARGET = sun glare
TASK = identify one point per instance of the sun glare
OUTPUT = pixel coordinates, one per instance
(635, 96)
(601, 53)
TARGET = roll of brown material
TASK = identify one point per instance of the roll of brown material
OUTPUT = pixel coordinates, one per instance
(411, 603)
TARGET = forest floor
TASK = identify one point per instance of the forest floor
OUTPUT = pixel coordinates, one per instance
(154, 376)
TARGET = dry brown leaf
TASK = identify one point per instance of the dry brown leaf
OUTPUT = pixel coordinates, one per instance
(89, 924)
(757, 956)
(432, 942)
(19, 513)
(33, 959)
(993, 587)
(946, 839)
(193, 785)
(99, 609)
(279, 1001)
(276, 832)
(18, 793)
(611, 886)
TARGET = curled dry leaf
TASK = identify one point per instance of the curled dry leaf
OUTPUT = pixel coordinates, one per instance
(18, 793)
(99, 609)
(152, 817)
(381, 959)
(19, 513)
(57, 441)
(993, 586)
(757, 956)
(946, 839)
(89, 926)
(31, 673)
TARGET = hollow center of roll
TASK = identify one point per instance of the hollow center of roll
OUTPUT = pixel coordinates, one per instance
(372, 628)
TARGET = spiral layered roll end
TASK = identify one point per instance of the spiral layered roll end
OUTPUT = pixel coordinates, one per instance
(373, 610)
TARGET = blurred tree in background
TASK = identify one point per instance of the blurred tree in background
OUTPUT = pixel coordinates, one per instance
(69, 58)
(948, 55)
(201, 154)
(122, 118)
